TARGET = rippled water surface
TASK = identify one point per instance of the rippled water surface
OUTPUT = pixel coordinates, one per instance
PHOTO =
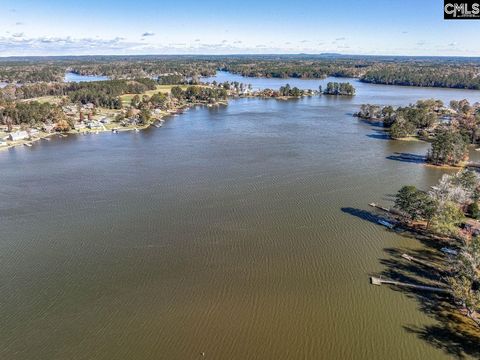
(236, 231)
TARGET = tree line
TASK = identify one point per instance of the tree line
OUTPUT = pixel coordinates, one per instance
(449, 129)
(100, 93)
(444, 209)
(199, 94)
(30, 113)
(411, 71)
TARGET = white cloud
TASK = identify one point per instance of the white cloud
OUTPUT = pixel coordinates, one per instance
(17, 44)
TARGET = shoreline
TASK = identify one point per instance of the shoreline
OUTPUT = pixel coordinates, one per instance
(356, 78)
(111, 127)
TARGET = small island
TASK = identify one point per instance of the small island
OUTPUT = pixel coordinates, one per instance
(342, 88)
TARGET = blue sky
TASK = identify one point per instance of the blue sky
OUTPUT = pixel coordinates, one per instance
(388, 27)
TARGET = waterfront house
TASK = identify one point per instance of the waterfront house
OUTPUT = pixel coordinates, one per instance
(70, 110)
(445, 119)
(33, 132)
(48, 128)
(18, 135)
(472, 227)
(94, 125)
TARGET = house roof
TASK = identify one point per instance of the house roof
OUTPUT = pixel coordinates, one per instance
(473, 223)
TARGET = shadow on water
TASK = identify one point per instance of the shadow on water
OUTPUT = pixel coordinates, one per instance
(373, 123)
(364, 214)
(407, 157)
(453, 333)
(380, 135)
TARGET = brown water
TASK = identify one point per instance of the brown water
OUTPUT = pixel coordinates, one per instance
(236, 231)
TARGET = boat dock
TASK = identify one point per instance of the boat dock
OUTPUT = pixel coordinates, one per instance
(379, 207)
(418, 261)
(378, 281)
(473, 164)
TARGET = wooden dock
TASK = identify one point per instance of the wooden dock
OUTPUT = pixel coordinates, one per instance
(378, 281)
(379, 207)
(418, 261)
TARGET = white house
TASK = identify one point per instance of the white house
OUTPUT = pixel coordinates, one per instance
(94, 125)
(48, 128)
(33, 132)
(19, 135)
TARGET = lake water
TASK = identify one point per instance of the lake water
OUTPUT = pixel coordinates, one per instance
(367, 93)
(240, 231)
(74, 77)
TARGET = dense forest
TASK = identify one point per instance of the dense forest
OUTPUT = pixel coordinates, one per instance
(100, 93)
(295, 68)
(53, 69)
(413, 71)
(30, 113)
(465, 76)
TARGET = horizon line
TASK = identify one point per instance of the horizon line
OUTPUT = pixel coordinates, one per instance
(331, 54)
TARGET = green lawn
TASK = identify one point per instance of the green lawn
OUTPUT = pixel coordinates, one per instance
(45, 99)
(160, 88)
